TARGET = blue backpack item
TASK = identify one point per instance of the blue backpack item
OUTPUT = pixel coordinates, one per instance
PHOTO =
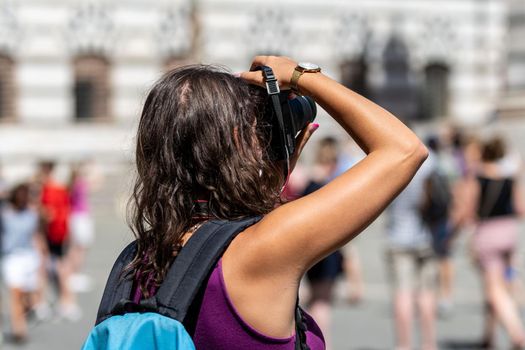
(167, 319)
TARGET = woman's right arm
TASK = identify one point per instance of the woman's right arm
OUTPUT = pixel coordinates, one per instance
(294, 236)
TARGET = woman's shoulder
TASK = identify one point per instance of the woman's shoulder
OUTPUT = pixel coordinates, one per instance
(10, 213)
(489, 178)
(217, 302)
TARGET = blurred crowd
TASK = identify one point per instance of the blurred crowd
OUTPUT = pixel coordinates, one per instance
(470, 185)
(46, 228)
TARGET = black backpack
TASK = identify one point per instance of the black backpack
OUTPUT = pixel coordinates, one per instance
(180, 295)
(437, 198)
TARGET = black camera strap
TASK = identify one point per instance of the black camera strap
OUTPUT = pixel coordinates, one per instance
(272, 87)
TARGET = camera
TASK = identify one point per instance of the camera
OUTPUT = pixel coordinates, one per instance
(297, 112)
(286, 116)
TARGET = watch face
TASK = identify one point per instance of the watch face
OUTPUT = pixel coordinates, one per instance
(308, 65)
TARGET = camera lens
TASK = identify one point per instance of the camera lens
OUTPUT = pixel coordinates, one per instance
(303, 110)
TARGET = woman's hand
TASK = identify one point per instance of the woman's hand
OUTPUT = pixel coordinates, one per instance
(282, 67)
(302, 139)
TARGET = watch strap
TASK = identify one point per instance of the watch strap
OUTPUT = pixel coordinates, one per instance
(295, 80)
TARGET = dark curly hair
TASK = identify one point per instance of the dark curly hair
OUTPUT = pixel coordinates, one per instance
(201, 137)
(493, 149)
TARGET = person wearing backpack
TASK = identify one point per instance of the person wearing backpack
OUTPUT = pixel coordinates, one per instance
(323, 275)
(436, 210)
(204, 171)
(411, 265)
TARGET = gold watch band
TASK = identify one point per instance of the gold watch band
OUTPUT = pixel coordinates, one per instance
(298, 72)
(295, 80)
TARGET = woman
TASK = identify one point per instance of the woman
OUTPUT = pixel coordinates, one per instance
(200, 138)
(498, 207)
(82, 230)
(322, 276)
(21, 260)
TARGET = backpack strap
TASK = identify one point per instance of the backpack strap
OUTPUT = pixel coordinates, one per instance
(117, 288)
(184, 279)
(300, 328)
(194, 264)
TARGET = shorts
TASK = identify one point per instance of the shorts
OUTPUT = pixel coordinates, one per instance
(327, 269)
(411, 269)
(21, 270)
(57, 250)
(441, 236)
(495, 241)
(82, 232)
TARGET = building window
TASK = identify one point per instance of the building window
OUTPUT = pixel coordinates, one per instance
(399, 93)
(354, 75)
(7, 88)
(436, 93)
(92, 88)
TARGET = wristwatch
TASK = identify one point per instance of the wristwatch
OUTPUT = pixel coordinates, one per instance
(302, 67)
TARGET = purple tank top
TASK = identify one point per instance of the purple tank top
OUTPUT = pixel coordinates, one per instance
(220, 327)
(79, 196)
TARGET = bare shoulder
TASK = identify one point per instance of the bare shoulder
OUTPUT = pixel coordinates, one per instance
(256, 294)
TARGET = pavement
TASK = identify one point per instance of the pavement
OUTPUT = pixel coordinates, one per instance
(367, 326)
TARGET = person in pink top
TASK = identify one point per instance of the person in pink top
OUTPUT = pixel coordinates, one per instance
(82, 229)
(202, 136)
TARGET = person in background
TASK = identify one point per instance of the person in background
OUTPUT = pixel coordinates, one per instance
(82, 230)
(411, 264)
(511, 166)
(3, 195)
(350, 155)
(3, 188)
(462, 214)
(322, 276)
(353, 274)
(498, 206)
(436, 208)
(21, 259)
(55, 206)
(451, 142)
(297, 182)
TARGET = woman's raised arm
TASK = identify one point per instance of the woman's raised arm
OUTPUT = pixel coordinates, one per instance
(294, 236)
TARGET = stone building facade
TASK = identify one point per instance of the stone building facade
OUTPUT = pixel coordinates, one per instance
(74, 73)
(512, 104)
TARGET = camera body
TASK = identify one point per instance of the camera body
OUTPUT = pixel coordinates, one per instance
(297, 113)
(286, 116)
